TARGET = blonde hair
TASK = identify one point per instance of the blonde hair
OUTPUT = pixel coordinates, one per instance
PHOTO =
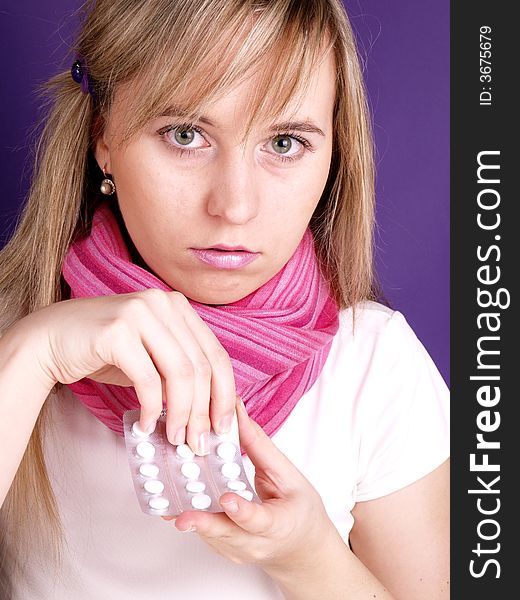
(194, 50)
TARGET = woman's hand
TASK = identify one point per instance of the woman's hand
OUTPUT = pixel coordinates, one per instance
(152, 340)
(286, 533)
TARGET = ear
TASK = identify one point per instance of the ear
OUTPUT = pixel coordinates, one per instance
(101, 148)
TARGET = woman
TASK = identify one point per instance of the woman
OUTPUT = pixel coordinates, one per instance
(200, 226)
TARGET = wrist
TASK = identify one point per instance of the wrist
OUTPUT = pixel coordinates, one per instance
(331, 570)
(311, 562)
(23, 352)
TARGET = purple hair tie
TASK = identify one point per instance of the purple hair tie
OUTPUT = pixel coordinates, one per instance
(79, 72)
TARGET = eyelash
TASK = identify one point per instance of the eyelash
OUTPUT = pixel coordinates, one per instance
(188, 152)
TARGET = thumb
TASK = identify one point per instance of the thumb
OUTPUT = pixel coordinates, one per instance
(262, 451)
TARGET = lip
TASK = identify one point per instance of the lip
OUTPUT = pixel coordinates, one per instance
(225, 259)
(226, 247)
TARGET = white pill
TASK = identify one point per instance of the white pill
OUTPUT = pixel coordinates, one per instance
(195, 487)
(190, 470)
(236, 485)
(226, 451)
(184, 451)
(158, 503)
(230, 470)
(138, 432)
(145, 449)
(247, 494)
(149, 470)
(154, 486)
(201, 501)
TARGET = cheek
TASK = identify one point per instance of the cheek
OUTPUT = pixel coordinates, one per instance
(149, 188)
(307, 191)
(151, 206)
(133, 179)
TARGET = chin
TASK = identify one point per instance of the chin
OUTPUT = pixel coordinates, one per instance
(219, 288)
(215, 298)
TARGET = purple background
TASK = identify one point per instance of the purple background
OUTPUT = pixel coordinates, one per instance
(405, 48)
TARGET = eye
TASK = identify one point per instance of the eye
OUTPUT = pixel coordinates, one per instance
(179, 139)
(181, 136)
(283, 144)
(184, 136)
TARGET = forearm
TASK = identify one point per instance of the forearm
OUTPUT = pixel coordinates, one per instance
(335, 573)
(23, 390)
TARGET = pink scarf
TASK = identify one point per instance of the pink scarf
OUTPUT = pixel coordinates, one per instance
(278, 337)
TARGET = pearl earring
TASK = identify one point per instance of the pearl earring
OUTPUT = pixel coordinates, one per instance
(108, 187)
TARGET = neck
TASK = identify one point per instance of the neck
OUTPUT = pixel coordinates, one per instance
(137, 259)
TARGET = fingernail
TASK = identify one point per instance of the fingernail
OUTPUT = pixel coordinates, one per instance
(190, 528)
(224, 425)
(139, 430)
(169, 519)
(231, 507)
(203, 443)
(179, 437)
(150, 427)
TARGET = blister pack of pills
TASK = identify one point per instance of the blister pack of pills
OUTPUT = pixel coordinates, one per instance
(170, 479)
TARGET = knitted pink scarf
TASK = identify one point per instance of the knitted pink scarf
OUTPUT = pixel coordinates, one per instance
(278, 337)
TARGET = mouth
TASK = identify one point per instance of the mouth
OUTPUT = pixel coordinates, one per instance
(225, 258)
(226, 248)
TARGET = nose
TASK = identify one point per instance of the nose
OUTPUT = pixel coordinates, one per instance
(233, 195)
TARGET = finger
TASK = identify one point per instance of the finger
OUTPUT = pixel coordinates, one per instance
(174, 311)
(223, 390)
(240, 515)
(124, 349)
(210, 525)
(257, 519)
(265, 455)
(197, 424)
(177, 372)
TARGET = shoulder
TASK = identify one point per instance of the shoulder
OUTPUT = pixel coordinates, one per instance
(369, 311)
(378, 365)
(370, 316)
(371, 327)
(367, 319)
(380, 407)
(381, 347)
(400, 400)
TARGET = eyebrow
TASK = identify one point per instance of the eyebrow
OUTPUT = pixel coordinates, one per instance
(308, 126)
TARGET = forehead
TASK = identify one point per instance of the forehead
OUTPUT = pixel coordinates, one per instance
(251, 82)
(312, 101)
(316, 97)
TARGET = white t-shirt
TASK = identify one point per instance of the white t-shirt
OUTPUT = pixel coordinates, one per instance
(374, 421)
